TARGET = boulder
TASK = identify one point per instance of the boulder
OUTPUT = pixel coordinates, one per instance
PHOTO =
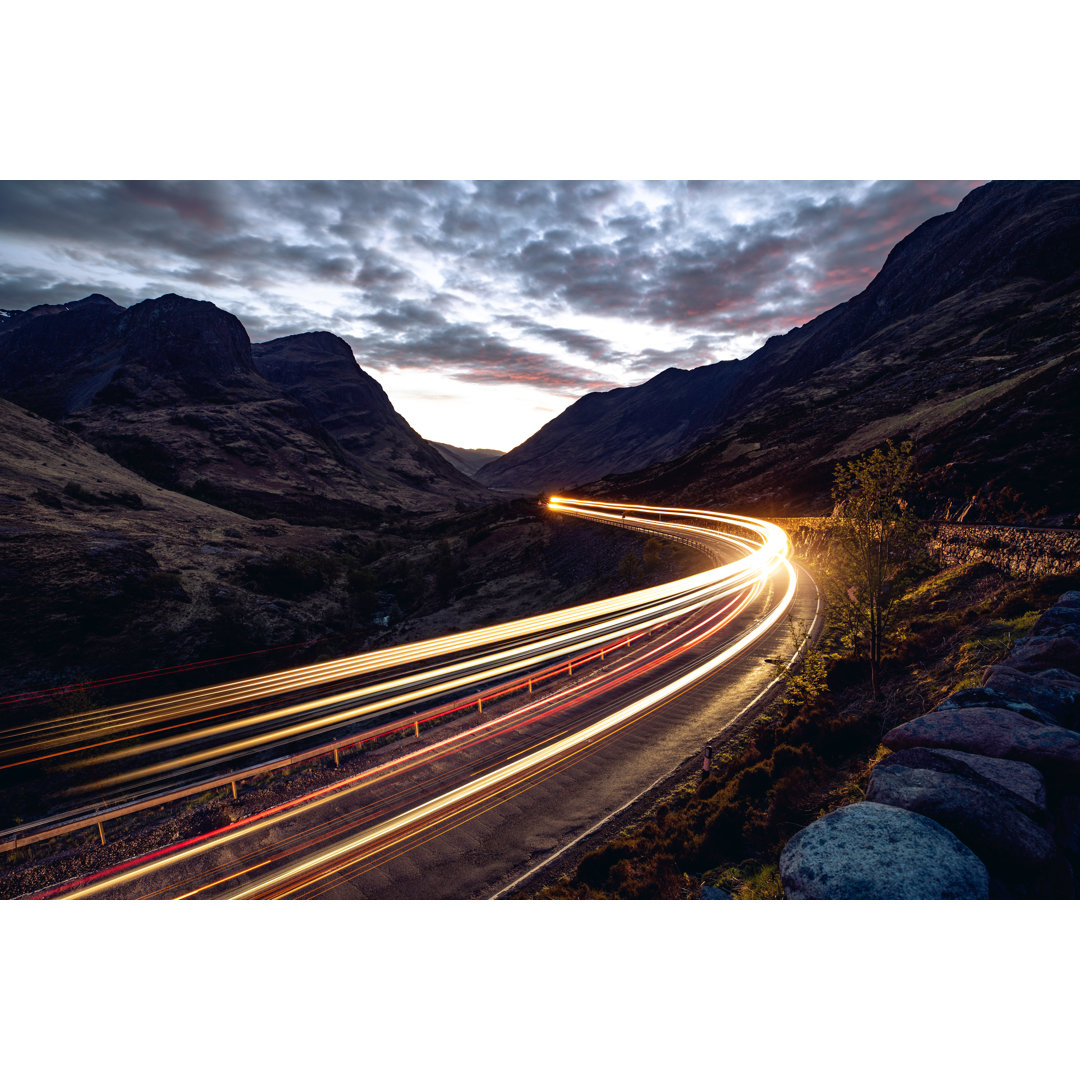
(1035, 654)
(871, 851)
(1054, 691)
(1004, 838)
(1020, 783)
(711, 892)
(983, 696)
(1000, 733)
(1060, 619)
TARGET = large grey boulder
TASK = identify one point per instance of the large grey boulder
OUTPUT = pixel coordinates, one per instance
(973, 696)
(1022, 784)
(1062, 618)
(1054, 751)
(1006, 839)
(870, 851)
(1054, 691)
(1035, 654)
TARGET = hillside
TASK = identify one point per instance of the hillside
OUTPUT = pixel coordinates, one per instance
(618, 430)
(467, 461)
(320, 371)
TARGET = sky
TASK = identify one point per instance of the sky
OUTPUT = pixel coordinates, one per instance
(483, 308)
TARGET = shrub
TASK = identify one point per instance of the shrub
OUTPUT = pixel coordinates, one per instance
(290, 576)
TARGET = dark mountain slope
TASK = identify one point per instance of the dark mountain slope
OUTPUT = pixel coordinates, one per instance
(320, 371)
(618, 430)
(986, 382)
(467, 461)
(54, 357)
(1000, 233)
(169, 389)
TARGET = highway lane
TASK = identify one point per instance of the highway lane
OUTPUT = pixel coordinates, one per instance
(155, 748)
(465, 815)
(365, 814)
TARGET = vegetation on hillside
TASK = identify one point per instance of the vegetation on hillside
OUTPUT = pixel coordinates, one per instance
(927, 631)
(814, 749)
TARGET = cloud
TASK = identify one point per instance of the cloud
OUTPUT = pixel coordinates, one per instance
(474, 355)
(526, 282)
(598, 350)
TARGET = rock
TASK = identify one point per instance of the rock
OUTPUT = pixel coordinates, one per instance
(1054, 691)
(1003, 838)
(1060, 619)
(1023, 784)
(1053, 750)
(710, 892)
(994, 699)
(1036, 654)
(870, 851)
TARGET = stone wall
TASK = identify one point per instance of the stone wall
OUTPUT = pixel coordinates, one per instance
(1016, 550)
(980, 798)
(1020, 552)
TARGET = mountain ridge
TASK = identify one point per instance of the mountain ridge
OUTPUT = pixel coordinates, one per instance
(993, 283)
(169, 388)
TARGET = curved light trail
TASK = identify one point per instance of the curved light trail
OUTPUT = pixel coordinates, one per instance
(222, 724)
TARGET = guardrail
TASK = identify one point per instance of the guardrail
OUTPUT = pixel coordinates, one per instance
(59, 825)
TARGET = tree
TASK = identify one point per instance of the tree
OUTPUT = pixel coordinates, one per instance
(875, 542)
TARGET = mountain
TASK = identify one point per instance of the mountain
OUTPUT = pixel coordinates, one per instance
(467, 461)
(618, 430)
(320, 371)
(967, 340)
(169, 388)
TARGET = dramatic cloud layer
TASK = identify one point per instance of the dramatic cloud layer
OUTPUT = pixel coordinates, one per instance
(483, 308)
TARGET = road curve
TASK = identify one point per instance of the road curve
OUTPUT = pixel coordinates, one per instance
(478, 803)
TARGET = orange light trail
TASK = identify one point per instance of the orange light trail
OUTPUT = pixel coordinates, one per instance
(524, 645)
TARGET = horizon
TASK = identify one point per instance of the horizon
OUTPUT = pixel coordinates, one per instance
(483, 310)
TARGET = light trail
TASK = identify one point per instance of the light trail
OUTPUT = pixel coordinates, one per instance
(521, 646)
(639, 610)
(244, 691)
(132, 725)
(428, 814)
(474, 736)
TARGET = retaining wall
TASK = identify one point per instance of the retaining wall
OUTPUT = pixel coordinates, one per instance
(1017, 550)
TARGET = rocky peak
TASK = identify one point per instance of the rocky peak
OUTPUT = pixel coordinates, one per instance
(320, 371)
(51, 354)
(94, 299)
(12, 318)
(188, 337)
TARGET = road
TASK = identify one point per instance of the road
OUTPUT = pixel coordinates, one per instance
(482, 801)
